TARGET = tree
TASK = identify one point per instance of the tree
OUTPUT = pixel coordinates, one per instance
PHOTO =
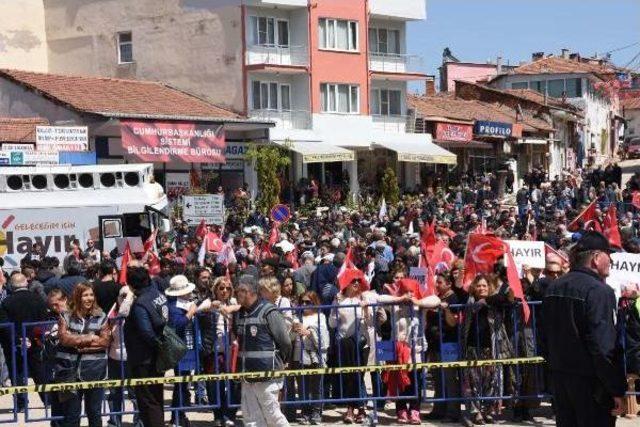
(270, 162)
(389, 186)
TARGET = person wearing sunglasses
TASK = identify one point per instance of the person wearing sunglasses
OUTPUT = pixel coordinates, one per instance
(310, 351)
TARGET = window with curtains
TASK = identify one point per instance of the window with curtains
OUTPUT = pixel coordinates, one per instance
(384, 41)
(555, 88)
(270, 96)
(338, 34)
(268, 31)
(340, 98)
(386, 102)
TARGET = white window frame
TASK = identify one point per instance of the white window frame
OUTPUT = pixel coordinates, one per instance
(376, 95)
(255, 41)
(377, 41)
(331, 26)
(268, 84)
(333, 87)
(121, 43)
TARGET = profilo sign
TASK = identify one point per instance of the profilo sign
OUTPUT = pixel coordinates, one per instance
(499, 129)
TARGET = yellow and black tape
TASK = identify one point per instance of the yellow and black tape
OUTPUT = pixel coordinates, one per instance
(265, 375)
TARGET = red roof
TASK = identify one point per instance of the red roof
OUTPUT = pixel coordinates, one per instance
(448, 107)
(631, 103)
(560, 65)
(108, 96)
(535, 96)
(20, 131)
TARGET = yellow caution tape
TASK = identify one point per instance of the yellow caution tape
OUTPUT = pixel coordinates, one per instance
(265, 375)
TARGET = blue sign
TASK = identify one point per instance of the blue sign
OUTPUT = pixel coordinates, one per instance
(78, 157)
(492, 129)
(280, 213)
(17, 158)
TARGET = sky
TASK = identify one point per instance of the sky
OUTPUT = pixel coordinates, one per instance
(481, 30)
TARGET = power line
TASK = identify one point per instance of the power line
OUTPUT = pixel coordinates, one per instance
(621, 48)
(632, 60)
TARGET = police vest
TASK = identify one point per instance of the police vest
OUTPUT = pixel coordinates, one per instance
(74, 366)
(257, 347)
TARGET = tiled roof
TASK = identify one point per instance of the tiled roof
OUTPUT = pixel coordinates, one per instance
(631, 103)
(20, 130)
(452, 108)
(560, 65)
(106, 96)
(536, 96)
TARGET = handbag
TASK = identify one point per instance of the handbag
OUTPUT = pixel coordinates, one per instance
(171, 350)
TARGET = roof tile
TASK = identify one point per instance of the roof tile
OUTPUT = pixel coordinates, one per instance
(102, 95)
(558, 65)
(20, 130)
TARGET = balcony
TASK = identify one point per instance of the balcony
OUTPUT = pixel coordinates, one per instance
(395, 63)
(399, 9)
(292, 119)
(266, 55)
(392, 123)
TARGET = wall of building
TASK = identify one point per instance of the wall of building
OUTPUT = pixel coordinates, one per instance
(466, 72)
(353, 66)
(23, 42)
(633, 123)
(193, 45)
(402, 9)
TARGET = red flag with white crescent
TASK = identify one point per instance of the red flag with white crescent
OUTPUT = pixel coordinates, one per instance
(610, 229)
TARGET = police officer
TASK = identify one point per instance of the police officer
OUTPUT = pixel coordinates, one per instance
(264, 345)
(581, 344)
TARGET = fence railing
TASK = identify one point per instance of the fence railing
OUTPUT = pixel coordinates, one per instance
(339, 336)
(277, 55)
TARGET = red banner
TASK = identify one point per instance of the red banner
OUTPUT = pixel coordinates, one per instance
(454, 132)
(167, 141)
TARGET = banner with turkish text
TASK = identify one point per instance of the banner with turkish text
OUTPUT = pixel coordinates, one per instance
(171, 141)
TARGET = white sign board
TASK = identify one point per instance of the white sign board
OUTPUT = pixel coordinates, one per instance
(207, 206)
(624, 271)
(62, 138)
(527, 252)
(177, 184)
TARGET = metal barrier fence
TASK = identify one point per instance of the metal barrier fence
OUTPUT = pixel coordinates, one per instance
(344, 335)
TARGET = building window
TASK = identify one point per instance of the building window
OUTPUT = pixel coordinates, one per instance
(125, 48)
(555, 88)
(520, 85)
(384, 41)
(386, 102)
(270, 96)
(340, 98)
(574, 88)
(338, 34)
(267, 31)
(539, 86)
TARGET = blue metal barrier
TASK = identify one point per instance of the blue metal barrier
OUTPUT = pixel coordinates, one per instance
(429, 334)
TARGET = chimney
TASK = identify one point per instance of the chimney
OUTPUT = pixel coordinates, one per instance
(499, 65)
(430, 87)
(565, 53)
(537, 55)
(574, 57)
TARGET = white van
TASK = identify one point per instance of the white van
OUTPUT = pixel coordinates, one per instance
(53, 205)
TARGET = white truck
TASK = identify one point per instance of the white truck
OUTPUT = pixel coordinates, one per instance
(53, 205)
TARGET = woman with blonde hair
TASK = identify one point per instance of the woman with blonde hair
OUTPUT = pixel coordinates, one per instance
(84, 337)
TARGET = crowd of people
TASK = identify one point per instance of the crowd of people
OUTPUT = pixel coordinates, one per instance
(333, 289)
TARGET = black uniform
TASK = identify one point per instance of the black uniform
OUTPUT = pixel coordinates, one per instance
(582, 349)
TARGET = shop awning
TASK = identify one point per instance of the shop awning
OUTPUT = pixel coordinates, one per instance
(318, 152)
(419, 152)
(534, 141)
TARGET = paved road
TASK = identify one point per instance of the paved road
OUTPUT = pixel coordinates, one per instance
(332, 417)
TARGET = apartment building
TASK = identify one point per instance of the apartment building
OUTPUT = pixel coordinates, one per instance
(332, 74)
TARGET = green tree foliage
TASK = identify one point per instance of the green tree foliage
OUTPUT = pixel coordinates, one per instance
(270, 162)
(389, 187)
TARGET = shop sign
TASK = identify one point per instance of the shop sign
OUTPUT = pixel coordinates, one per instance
(230, 165)
(516, 130)
(454, 132)
(5, 158)
(236, 150)
(209, 207)
(166, 142)
(177, 184)
(25, 154)
(62, 138)
(493, 129)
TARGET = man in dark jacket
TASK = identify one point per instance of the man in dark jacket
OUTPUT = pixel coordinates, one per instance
(142, 334)
(581, 341)
(106, 289)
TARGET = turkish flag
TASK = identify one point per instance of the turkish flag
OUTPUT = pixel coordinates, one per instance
(346, 264)
(126, 258)
(274, 235)
(201, 231)
(587, 215)
(214, 242)
(429, 233)
(483, 251)
(611, 230)
(635, 199)
(150, 242)
(513, 277)
(440, 252)
(154, 263)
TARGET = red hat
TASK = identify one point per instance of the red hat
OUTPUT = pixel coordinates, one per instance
(353, 274)
(408, 285)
